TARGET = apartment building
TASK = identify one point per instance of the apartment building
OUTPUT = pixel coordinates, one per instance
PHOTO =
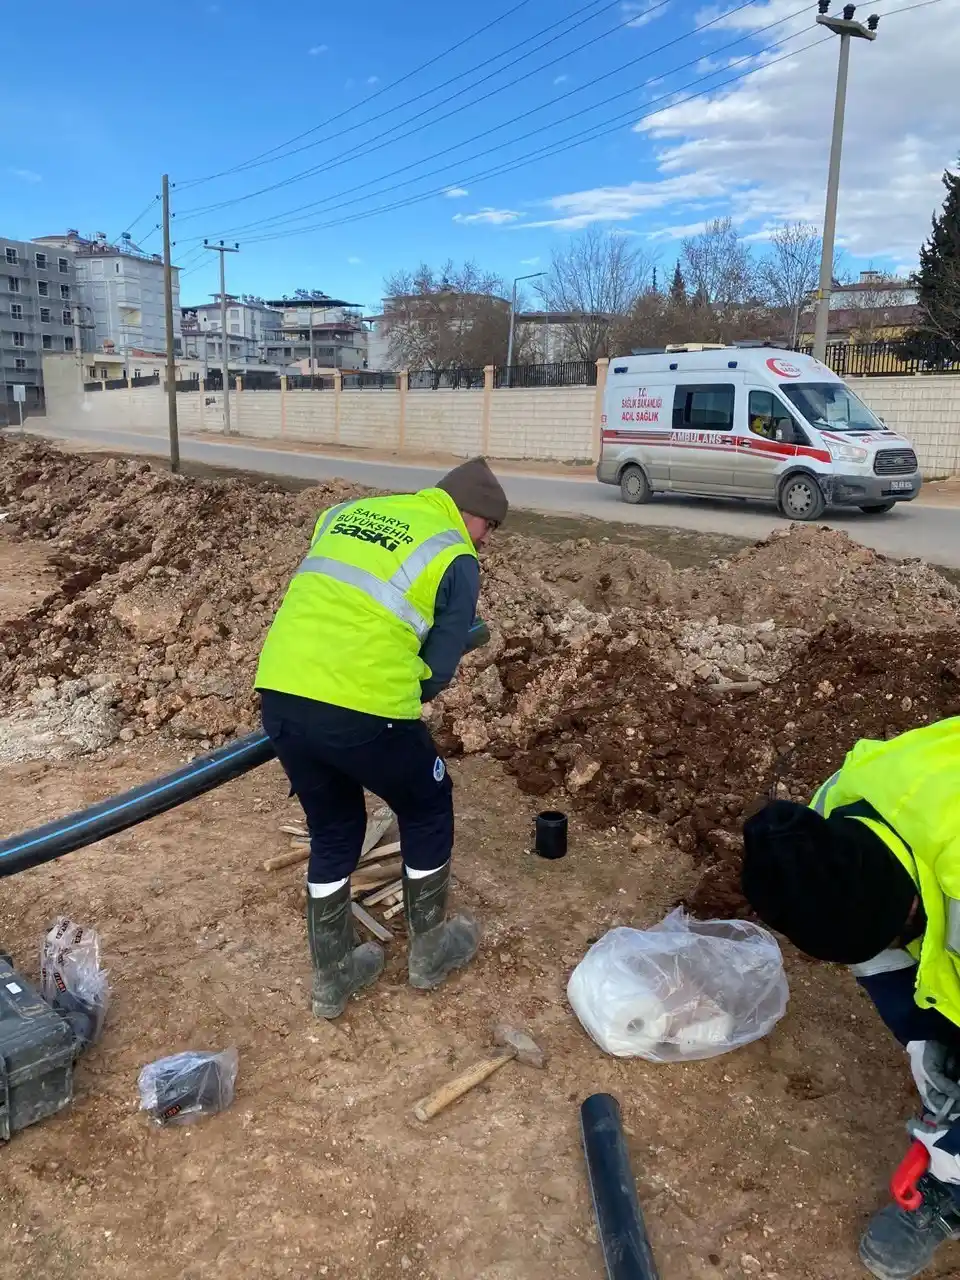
(319, 331)
(120, 294)
(38, 290)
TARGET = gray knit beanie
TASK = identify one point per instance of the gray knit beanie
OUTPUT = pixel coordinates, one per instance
(476, 490)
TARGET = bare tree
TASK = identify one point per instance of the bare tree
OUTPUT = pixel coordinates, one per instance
(718, 267)
(790, 272)
(595, 281)
(454, 317)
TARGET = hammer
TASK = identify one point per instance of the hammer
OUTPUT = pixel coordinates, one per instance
(515, 1044)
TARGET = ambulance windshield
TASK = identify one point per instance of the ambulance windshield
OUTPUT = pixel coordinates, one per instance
(832, 406)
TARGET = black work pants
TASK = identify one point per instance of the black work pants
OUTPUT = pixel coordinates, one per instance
(331, 754)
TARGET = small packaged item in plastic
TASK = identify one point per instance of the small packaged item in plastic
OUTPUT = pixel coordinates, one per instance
(186, 1086)
(71, 980)
(684, 990)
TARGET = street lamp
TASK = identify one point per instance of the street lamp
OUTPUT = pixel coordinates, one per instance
(845, 28)
(535, 275)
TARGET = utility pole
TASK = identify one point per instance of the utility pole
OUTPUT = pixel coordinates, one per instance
(513, 316)
(222, 248)
(171, 354)
(846, 28)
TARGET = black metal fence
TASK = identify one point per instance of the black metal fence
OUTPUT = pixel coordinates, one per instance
(93, 386)
(34, 405)
(152, 381)
(370, 381)
(309, 382)
(566, 373)
(446, 380)
(114, 384)
(260, 380)
(885, 359)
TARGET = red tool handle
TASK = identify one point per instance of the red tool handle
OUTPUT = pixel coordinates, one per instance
(903, 1184)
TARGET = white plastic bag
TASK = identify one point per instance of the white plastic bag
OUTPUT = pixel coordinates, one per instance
(186, 1086)
(70, 972)
(683, 990)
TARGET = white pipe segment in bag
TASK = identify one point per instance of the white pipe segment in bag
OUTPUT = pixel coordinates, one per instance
(683, 990)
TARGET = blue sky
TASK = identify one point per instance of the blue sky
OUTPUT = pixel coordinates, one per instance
(202, 88)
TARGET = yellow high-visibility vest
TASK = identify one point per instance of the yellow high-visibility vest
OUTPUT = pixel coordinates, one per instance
(361, 604)
(907, 791)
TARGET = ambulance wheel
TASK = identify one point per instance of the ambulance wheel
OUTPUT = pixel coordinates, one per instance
(634, 487)
(878, 508)
(801, 498)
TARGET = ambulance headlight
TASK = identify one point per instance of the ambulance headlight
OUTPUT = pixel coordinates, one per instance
(846, 452)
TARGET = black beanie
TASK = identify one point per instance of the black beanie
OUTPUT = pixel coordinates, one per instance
(830, 884)
(476, 490)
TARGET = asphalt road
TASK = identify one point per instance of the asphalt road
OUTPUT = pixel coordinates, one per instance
(913, 529)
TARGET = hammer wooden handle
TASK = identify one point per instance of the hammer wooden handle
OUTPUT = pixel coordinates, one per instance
(463, 1083)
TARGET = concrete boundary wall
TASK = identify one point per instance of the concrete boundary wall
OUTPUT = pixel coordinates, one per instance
(558, 424)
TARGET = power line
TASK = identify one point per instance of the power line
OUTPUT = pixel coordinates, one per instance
(550, 150)
(558, 148)
(387, 88)
(348, 156)
(264, 222)
(352, 153)
(141, 215)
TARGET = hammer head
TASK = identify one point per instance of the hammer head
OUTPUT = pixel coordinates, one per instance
(526, 1048)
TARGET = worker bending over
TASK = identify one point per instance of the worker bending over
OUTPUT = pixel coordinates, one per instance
(869, 876)
(374, 624)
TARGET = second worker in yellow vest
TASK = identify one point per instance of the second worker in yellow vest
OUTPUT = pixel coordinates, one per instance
(374, 623)
(869, 876)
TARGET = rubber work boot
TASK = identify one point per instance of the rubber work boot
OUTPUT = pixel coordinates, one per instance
(340, 968)
(899, 1244)
(437, 945)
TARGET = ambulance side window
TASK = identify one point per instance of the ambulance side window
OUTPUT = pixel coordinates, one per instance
(704, 407)
(769, 417)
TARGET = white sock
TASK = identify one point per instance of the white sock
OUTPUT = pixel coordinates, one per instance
(414, 873)
(326, 889)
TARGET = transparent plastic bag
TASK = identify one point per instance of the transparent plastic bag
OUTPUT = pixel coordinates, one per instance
(71, 980)
(684, 990)
(186, 1086)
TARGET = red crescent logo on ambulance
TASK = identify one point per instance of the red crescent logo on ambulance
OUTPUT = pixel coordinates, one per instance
(783, 368)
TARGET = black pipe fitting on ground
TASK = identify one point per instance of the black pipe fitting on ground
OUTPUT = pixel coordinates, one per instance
(620, 1225)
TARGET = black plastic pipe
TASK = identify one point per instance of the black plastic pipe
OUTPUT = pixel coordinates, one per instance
(623, 1233)
(54, 839)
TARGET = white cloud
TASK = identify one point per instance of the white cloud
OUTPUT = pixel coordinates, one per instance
(373, 80)
(758, 150)
(641, 12)
(354, 262)
(579, 209)
(26, 175)
(316, 49)
(529, 262)
(488, 217)
(456, 193)
(560, 79)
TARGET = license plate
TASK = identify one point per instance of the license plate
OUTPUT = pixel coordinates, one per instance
(901, 486)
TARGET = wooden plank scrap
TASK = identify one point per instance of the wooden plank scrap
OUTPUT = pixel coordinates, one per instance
(386, 892)
(381, 933)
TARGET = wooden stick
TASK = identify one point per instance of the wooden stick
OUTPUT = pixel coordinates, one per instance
(368, 922)
(300, 854)
(386, 892)
(467, 1080)
(388, 915)
(380, 851)
(292, 830)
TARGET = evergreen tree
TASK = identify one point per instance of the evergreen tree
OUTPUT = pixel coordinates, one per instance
(937, 335)
(678, 289)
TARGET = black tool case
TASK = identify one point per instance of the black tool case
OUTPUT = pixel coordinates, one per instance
(37, 1049)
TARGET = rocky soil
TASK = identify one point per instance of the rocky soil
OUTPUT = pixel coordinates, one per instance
(605, 687)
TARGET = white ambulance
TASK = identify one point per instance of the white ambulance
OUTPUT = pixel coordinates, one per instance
(748, 422)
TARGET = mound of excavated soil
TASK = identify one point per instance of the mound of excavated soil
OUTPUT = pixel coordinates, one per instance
(599, 685)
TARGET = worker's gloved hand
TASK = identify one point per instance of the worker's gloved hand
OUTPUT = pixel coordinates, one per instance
(935, 1069)
(478, 635)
